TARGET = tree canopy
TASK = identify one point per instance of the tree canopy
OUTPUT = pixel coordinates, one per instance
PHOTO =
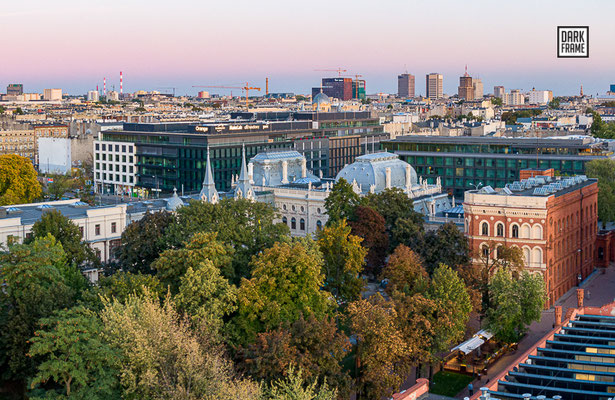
(142, 242)
(67, 233)
(341, 201)
(515, 304)
(18, 180)
(344, 258)
(604, 171)
(285, 285)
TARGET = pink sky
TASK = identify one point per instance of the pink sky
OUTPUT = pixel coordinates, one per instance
(73, 44)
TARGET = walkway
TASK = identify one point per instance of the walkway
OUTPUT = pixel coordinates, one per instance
(601, 290)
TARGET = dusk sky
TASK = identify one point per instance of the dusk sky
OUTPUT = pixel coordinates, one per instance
(74, 44)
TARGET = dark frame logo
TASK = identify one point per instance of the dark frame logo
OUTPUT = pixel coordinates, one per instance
(573, 42)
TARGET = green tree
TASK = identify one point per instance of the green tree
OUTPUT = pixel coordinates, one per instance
(405, 272)
(393, 204)
(18, 180)
(206, 296)
(142, 242)
(248, 227)
(380, 348)
(18, 111)
(515, 304)
(285, 285)
(34, 286)
(448, 237)
(295, 387)
(408, 232)
(67, 233)
(173, 264)
(341, 202)
(74, 356)
(449, 291)
(122, 284)
(370, 225)
(496, 101)
(60, 185)
(494, 256)
(601, 129)
(344, 258)
(604, 171)
(555, 103)
(161, 357)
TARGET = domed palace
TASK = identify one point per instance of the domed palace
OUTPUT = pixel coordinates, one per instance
(282, 179)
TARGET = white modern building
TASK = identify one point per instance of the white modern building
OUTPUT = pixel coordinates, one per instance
(114, 167)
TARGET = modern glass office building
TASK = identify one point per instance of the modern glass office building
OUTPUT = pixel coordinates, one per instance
(173, 155)
(465, 162)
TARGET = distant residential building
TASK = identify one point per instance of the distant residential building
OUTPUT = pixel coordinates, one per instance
(20, 142)
(52, 94)
(14, 89)
(93, 95)
(434, 86)
(405, 86)
(540, 96)
(553, 221)
(514, 98)
(48, 131)
(478, 88)
(466, 87)
(203, 95)
(113, 96)
(499, 92)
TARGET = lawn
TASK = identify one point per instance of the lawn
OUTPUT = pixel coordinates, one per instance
(448, 383)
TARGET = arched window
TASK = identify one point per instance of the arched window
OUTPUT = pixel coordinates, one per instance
(525, 231)
(293, 223)
(515, 231)
(500, 229)
(485, 250)
(285, 220)
(484, 227)
(302, 224)
(498, 252)
(318, 225)
(537, 231)
(537, 255)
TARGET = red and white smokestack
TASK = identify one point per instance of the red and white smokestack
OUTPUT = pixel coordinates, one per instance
(104, 86)
(121, 84)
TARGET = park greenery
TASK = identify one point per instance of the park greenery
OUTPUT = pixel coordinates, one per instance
(217, 301)
(604, 171)
(18, 180)
(601, 129)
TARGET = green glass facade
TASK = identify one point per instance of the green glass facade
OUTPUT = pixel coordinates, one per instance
(461, 166)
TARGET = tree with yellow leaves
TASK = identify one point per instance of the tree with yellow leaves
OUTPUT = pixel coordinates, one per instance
(18, 183)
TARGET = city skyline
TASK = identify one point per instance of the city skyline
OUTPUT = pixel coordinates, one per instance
(79, 44)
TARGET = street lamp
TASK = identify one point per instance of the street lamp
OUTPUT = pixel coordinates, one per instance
(477, 185)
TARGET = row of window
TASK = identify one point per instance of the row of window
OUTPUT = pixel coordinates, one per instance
(117, 167)
(109, 147)
(293, 223)
(524, 231)
(97, 229)
(103, 157)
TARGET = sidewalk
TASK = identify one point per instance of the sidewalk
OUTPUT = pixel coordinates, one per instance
(602, 291)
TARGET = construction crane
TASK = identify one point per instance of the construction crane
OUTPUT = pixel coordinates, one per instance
(247, 88)
(338, 70)
(167, 88)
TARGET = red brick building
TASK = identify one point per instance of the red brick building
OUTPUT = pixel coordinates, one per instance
(553, 221)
